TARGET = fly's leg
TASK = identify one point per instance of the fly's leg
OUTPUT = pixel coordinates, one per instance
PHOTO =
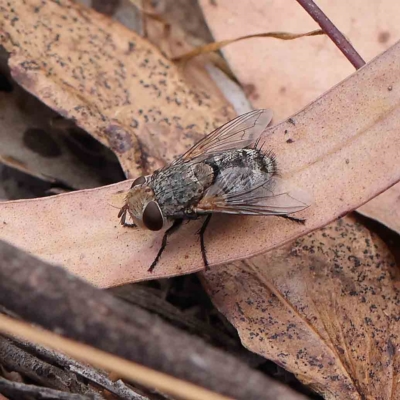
(175, 226)
(301, 221)
(202, 245)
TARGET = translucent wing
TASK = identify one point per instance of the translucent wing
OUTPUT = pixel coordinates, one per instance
(236, 134)
(236, 194)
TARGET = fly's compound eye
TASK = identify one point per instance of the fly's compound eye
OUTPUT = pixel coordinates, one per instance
(152, 217)
(138, 181)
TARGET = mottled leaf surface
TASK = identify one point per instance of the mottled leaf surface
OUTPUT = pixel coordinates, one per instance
(325, 306)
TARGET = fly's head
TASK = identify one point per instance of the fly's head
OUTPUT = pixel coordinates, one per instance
(141, 205)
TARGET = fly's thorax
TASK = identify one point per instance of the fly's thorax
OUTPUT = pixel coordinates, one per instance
(142, 206)
(179, 187)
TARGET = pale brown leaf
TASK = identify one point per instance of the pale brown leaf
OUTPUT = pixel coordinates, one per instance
(343, 149)
(286, 76)
(325, 307)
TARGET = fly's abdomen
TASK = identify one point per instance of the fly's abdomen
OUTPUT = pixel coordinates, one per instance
(242, 169)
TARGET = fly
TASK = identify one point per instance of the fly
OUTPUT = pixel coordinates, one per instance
(225, 172)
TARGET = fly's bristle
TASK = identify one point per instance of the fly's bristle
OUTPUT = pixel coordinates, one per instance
(269, 160)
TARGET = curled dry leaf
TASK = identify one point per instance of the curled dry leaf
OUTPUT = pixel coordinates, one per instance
(343, 149)
(112, 82)
(385, 208)
(325, 307)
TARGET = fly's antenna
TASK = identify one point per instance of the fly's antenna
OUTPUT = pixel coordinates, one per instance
(272, 161)
(111, 205)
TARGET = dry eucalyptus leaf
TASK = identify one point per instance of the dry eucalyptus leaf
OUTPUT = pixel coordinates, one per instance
(343, 149)
(30, 144)
(325, 307)
(385, 208)
(286, 76)
(112, 82)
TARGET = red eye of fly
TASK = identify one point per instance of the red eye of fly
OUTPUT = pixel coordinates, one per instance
(138, 181)
(152, 217)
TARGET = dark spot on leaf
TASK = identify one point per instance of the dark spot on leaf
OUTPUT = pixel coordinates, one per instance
(391, 348)
(250, 91)
(383, 37)
(41, 142)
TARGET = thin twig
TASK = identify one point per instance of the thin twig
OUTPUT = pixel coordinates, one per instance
(214, 46)
(17, 390)
(330, 29)
(16, 359)
(97, 376)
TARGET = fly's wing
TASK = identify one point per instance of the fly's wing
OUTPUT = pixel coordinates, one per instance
(233, 195)
(236, 134)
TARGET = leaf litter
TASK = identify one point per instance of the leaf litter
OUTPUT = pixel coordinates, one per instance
(343, 375)
(332, 134)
